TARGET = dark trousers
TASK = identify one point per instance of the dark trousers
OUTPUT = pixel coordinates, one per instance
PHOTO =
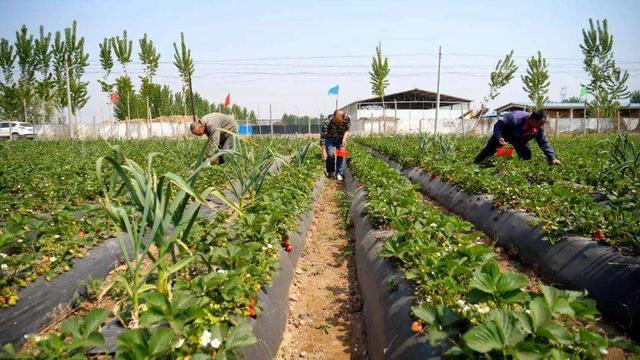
(522, 149)
(226, 143)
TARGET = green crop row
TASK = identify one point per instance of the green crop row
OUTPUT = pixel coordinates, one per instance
(194, 301)
(590, 195)
(49, 214)
(463, 298)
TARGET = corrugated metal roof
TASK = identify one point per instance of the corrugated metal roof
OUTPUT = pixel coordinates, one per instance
(414, 92)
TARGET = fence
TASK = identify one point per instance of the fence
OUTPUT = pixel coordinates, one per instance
(416, 121)
(122, 130)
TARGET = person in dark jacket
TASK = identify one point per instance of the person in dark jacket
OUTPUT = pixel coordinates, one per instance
(518, 128)
(333, 136)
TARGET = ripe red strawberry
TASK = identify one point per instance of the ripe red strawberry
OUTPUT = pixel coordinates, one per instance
(416, 327)
(252, 312)
(499, 204)
(98, 230)
(360, 186)
(599, 235)
(433, 176)
(252, 302)
(288, 248)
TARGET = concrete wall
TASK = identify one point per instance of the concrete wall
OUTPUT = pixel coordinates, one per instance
(114, 130)
(423, 121)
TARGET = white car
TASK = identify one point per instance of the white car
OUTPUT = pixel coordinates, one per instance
(19, 130)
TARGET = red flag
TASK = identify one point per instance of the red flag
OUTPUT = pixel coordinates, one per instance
(114, 97)
(227, 101)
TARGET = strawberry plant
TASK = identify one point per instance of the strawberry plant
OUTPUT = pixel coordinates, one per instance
(463, 299)
(49, 208)
(595, 191)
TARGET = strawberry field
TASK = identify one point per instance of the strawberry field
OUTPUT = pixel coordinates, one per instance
(205, 250)
(463, 298)
(596, 193)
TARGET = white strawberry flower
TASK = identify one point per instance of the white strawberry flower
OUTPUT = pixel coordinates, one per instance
(56, 236)
(179, 343)
(433, 225)
(3, 255)
(215, 343)
(4, 267)
(205, 338)
(270, 246)
(53, 259)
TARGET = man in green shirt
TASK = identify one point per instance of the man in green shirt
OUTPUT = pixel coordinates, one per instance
(211, 125)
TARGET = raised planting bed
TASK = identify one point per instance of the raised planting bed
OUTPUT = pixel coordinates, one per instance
(49, 211)
(577, 263)
(387, 296)
(42, 300)
(239, 254)
(464, 301)
(594, 193)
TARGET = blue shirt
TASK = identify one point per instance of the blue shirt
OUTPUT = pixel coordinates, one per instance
(513, 128)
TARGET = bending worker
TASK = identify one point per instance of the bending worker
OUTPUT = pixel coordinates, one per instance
(518, 128)
(211, 125)
(334, 134)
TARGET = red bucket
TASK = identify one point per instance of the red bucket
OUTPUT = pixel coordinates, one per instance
(343, 153)
(505, 151)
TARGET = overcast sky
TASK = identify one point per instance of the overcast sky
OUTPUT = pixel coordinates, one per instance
(289, 53)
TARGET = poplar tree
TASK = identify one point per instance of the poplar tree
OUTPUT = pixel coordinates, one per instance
(378, 78)
(122, 48)
(501, 75)
(45, 86)
(536, 81)
(607, 83)
(183, 61)
(9, 96)
(150, 58)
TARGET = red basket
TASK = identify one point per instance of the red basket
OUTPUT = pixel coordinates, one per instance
(343, 153)
(505, 151)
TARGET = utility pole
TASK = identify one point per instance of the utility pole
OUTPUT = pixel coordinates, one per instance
(435, 124)
(66, 71)
(128, 114)
(148, 118)
(270, 120)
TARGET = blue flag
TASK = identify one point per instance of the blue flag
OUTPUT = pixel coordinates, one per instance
(334, 90)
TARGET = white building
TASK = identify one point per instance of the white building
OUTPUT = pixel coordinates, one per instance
(409, 111)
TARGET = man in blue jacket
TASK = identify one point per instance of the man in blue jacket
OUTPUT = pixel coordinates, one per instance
(518, 128)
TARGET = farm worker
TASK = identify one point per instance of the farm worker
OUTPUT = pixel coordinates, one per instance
(334, 134)
(518, 128)
(212, 125)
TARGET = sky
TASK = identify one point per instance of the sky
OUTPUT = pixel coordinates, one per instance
(289, 53)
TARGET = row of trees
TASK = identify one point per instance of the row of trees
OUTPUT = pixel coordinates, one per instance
(151, 99)
(290, 119)
(42, 76)
(607, 82)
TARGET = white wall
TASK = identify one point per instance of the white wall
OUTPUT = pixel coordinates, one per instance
(115, 130)
(416, 121)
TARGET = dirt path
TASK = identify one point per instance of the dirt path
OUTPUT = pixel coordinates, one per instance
(325, 319)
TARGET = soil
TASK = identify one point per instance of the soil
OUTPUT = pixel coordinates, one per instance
(325, 306)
